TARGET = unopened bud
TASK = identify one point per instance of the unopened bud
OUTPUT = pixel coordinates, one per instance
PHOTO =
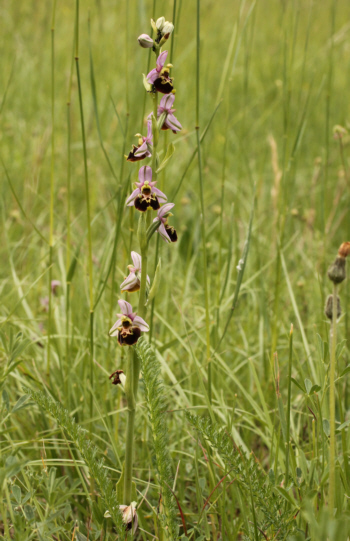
(130, 516)
(167, 28)
(336, 272)
(160, 23)
(145, 41)
(329, 307)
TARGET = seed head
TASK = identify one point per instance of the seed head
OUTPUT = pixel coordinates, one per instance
(328, 310)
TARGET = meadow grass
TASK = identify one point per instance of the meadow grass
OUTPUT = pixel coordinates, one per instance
(236, 386)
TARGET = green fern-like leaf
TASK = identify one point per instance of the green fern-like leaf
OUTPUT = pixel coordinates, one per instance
(88, 452)
(156, 407)
(271, 512)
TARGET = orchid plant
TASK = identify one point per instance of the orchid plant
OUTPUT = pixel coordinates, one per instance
(147, 199)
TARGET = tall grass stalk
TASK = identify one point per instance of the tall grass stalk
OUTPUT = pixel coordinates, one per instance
(68, 219)
(52, 185)
(332, 443)
(203, 224)
(87, 194)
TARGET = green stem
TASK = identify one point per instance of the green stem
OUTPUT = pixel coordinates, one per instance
(87, 193)
(203, 232)
(52, 184)
(133, 372)
(290, 362)
(331, 496)
(129, 444)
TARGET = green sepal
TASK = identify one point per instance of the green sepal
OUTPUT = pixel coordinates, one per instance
(156, 281)
(170, 151)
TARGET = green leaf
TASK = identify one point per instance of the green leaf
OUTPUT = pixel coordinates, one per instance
(345, 371)
(320, 346)
(21, 403)
(19, 347)
(314, 389)
(298, 384)
(287, 496)
(16, 491)
(326, 427)
(6, 399)
(73, 264)
(342, 426)
(339, 349)
(170, 151)
(29, 512)
(308, 385)
(156, 281)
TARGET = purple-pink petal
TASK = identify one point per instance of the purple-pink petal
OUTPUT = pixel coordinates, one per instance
(136, 259)
(130, 282)
(141, 324)
(145, 174)
(153, 75)
(142, 149)
(132, 197)
(125, 307)
(149, 130)
(161, 60)
(161, 196)
(162, 231)
(167, 101)
(172, 123)
(165, 209)
(115, 327)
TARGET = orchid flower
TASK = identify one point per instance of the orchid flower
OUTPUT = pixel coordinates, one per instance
(144, 148)
(165, 107)
(159, 76)
(166, 231)
(128, 326)
(146, 195)
(133, 281)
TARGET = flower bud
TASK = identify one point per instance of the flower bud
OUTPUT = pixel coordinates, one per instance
(145, 41)
(329, 307)
(336, 272)
(130, 516)
(167, 28)
(160, 23)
